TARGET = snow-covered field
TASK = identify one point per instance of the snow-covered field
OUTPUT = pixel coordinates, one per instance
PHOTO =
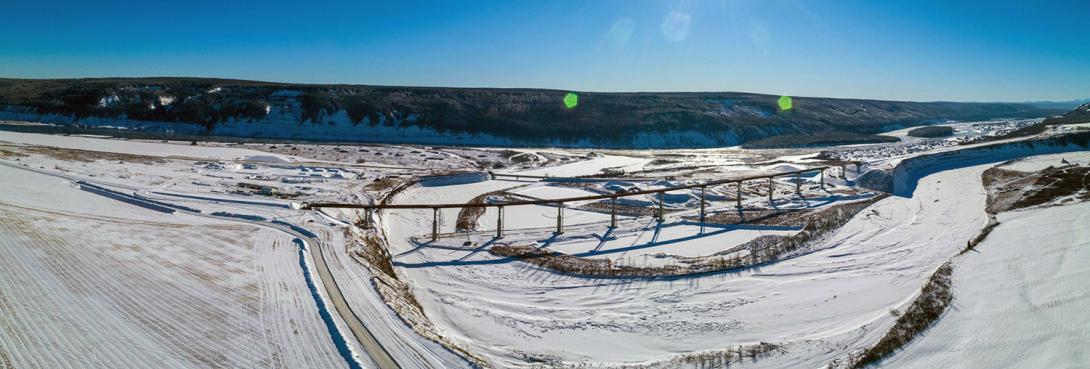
(138, 147)
(1020, 301)
(517, 314)
(90, 281)
(967, 129)
(1039, 162)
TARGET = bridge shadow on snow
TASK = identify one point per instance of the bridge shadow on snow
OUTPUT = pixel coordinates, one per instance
(601, 248)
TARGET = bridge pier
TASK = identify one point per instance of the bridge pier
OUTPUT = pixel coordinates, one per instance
(368, 218)
(499, 222)
(435, 224)
(613, 212)
(559, 218)
(702, 191)
(738, 200)
(858, 167)
(659, 215)
(823, 179)
(798, 184)
(771, 190)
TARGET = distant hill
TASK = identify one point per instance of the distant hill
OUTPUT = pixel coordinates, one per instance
(468, 116)
(1080, 114)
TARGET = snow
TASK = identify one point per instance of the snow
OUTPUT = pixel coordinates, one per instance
(535, 216)
(820, 304)
(554, 192)
(131, 147)
(1036, 163)
(266, 158)
(964, 129)
(590, 167)
(409, 349)
(641, 247)
(908, 168)
(92, 282)
(509, 311)
(1020, 301)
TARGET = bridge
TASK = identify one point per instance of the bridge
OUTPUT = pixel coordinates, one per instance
(559, 203)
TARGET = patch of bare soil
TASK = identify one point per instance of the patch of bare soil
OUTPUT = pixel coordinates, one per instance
(468, 216)
(715, 359)
(1011, 190)
(783, 217)
(90, 156)
(11, 154)
(383, 184)
(1055, 184)
(1005, 187)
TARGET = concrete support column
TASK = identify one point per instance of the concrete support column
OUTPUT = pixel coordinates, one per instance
(771, 189)
(702, 202)
(660, 214)
(823, 179)
(368, 218)
(559, 218)
(613, 213)
(499, 221)
(435, 224)
(844, 172)
(798, 184)
(738, 200)
(858, 167)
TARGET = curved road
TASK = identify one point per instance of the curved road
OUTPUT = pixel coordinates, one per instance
(374, 349)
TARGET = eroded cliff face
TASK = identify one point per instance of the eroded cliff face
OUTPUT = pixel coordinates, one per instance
(466, 116)
(903, 177)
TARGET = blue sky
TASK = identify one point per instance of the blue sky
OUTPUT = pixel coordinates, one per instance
(901, 50)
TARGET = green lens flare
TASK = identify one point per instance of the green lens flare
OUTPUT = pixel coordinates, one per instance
(571, 100)
(785, 102)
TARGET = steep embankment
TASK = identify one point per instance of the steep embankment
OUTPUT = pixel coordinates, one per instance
(463, 115)
(902, 179)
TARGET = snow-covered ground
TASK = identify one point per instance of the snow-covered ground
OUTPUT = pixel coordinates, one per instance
(105, 265)
(135, 147)
(1036, 163)
(644, 246)
(1020, 300)
(966, 129)
(91, 282)
(514, 313)
(593, 166)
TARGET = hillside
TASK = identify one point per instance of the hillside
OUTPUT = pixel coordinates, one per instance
(472, 116)
(1080, 114)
